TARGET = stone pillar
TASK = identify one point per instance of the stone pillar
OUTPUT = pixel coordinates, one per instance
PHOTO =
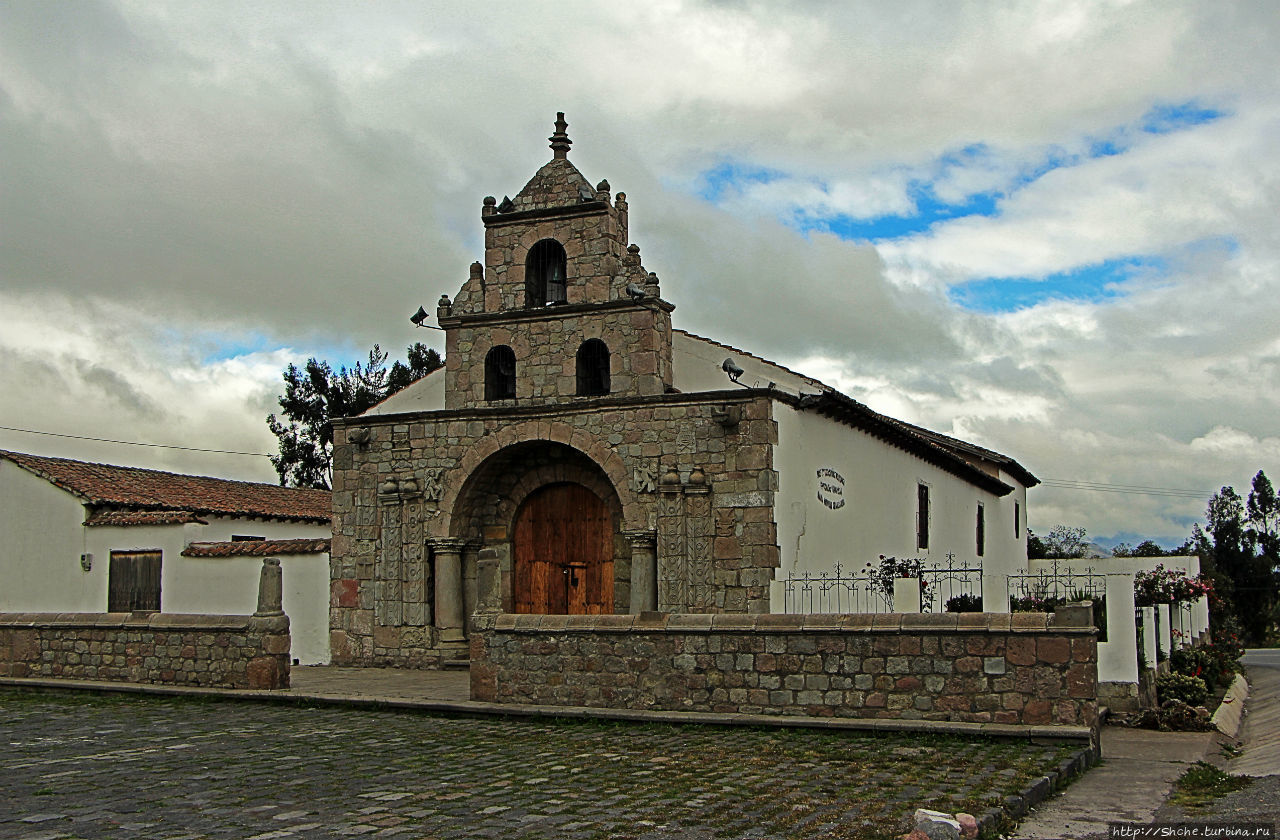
(644, 569)
(449, 602)
(270, 588)
(488, 582)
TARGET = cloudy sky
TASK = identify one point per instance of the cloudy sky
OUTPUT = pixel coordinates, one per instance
(1048, 228)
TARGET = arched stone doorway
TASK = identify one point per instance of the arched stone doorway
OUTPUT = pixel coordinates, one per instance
(554, 519)
(562, 552)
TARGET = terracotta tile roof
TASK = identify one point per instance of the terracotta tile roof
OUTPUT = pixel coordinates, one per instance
(134, 489)
(256, 548)
(126, 518)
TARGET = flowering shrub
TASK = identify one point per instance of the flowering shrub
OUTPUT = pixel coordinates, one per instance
(1036, 603)
(1174, 686)
(890, 569)
(1216, 663)
(1168, 586)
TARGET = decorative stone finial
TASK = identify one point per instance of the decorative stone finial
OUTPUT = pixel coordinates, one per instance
(490, 206)
(560, 141)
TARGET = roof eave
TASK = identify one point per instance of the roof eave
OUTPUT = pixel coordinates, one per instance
(838, 407)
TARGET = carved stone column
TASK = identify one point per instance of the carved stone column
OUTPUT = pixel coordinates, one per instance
(673, 572)
(449, 603)
(644, 569)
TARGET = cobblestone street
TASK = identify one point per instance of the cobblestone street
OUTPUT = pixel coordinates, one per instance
(92, 766)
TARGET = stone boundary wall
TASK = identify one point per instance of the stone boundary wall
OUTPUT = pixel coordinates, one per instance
(1024, 668)
(222, 651)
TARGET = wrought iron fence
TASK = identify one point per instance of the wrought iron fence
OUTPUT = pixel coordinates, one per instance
(1047, 588)
(947, 580)
(1058, 584)
(839, 592)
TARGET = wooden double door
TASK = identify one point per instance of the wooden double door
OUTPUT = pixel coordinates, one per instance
(563, 552)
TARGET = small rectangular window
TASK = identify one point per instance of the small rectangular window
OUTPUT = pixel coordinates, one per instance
(981, 529)
(133, 581)
(246, 538)
(1017, 520)
(922, 516)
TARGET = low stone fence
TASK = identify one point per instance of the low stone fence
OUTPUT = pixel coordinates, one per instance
(223, 651)
(1024, 668)
(219, 651)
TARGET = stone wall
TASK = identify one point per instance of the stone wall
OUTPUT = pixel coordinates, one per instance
(223, 651)
(690, 479)
(1025, 668)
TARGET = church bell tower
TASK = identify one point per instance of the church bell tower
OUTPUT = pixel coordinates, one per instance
(561, 310)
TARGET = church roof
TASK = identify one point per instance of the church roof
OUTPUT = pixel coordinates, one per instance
(557, 184)
(134, 489)
(952, 454)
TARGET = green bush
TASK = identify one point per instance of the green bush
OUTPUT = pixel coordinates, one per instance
(1175, 686)
(964, 602)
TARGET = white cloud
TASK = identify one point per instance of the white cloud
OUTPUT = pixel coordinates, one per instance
(308, 175)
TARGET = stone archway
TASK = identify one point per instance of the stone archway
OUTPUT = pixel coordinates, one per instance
(573, 533)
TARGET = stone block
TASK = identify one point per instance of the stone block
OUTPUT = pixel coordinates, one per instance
(1053, 650)
(1020, 651)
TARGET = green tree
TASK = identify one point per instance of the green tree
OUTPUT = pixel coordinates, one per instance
(1063, 542)
(1149, 548)
(1240, 550)
(1256, 591)
(317, 394)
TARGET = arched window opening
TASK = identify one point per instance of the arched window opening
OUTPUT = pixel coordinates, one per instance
(544, 274)
(500, 374)
(593, 368)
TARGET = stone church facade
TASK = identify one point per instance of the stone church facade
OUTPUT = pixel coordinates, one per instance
(595, 459)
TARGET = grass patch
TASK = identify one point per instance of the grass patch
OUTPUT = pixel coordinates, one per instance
(1203, 783)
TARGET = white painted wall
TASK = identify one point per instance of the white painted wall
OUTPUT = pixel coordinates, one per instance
(42, 536)
(41, 540)
(229, 585)
(1117, 657)
(427, 394)
(879, 511)
(696, 367)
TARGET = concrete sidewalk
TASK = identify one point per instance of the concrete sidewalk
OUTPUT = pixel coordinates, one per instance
(1139, 766)
(1137, 771)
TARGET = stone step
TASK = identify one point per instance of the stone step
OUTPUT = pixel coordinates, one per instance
(455, 664)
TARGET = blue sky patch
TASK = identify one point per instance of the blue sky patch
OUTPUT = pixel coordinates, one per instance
(731, 176)
(1166, 118)
(1091, 284)
(929, 211)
